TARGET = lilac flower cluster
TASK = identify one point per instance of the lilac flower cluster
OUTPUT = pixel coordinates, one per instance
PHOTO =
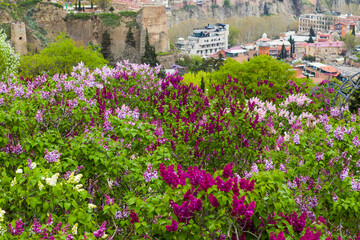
(19, 228)
(150, 173)
(101, 231)
(52, 156)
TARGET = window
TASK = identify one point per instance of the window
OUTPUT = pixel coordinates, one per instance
(20, 38)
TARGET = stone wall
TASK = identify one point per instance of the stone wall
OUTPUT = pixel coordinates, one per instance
(154, 19)
(18, 37)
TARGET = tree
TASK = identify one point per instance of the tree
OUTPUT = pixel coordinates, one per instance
(309, 58)
(202, 85)
(79, 5)
(312, 32)
(311, 40)
(354, 103)
(105, 45)
(350, 42)
(60, 57)
(150, 54)
(283, 54)
(9, 60)
(130, 40)
(233, 33)
(292, 48)
(102, 4)
(266, 10)
(92, 5)
(353, 31)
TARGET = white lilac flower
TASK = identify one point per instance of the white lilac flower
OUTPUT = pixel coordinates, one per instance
(33, 165)
(92, 206)
(41, 186)
(13, 182)
(2, 213)
(79, 188)
(52, 181)
(74, 229)
(19, 170)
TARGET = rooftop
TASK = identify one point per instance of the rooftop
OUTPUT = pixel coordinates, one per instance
(327, 44)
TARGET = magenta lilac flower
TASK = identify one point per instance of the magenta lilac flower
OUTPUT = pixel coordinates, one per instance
(101, 231)
(173, 227)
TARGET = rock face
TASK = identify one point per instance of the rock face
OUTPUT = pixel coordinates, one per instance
(44, 22)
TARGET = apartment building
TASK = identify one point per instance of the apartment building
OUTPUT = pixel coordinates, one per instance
(318, 21)
(205, 41)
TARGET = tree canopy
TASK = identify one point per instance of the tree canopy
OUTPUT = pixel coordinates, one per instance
(60, 57)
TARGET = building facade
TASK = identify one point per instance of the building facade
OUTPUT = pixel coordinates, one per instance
(319, 22)
(205, 41)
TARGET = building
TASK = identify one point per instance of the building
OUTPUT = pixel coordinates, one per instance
(300, 49)
(319, 72)
(319, 22)
(347, 25)
(322, 49)
(205, 41)
(273, 48)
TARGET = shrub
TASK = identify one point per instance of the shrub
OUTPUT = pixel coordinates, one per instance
(60, 57)
(9, 60)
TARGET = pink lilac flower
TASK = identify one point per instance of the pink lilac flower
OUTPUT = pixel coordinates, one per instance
(2, 101)
(310, 235)
(280, 236)
(109, 201)
(353, 117)
(349, 131)
(101, 231)
(133, 216)
(344, 173)
(254, 168)
(358, 164)
(327, 127)
(227, 171)
(173, 227)
(282, 167)
(36, 226)
(50, 220)
(213, 200)
(335, 112)
(313, 202)
(52, 156)
(319, 156)
(150, 173)
(330, 142)
(18, 230)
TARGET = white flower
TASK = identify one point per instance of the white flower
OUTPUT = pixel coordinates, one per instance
(2, 230)
(13, 182)
(79, 188)
(19, 170)
(2, 213)
(92, 206)
(74, 229)
(33, 165)
(78, 178)
(52, 181)
(41, 186)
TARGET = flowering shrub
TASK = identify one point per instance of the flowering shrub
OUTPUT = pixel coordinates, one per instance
(9, 60)
(119, 153)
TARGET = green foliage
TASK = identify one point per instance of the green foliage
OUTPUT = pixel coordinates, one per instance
(309, 58)
(6, 29)
(128, 13)
(37, 31)
(60, 57)
(9, 61)
(350, 42)
(227, 3)
(110, 19)
(81, 16)
(233, 32)
(150, 54)
(354, 103)
(196, 63)
(105, 45)
(283, 53)
(258, 68)
(130, 39)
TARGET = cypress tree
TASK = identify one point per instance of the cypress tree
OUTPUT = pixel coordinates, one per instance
(92, 5)
(202, 85)
(353, 31)
(105, 45)
(266, 10)
(150, 54)
(311, 40)
(283, 54)
(292, 49)
(312, 32)
(130, 38)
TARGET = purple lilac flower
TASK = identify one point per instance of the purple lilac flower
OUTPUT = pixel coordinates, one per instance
(355, 185)
(313, 202)
(344, 173)
(296, 139)
(356, 141)
(50, 220)
(121, 215)
(227, 171)
(358, 164)
(18, 230)
(213, 200)
(52, 156)
(335, 112)
(268, 165)
(150, 173)
(282, 167)
(173, 227)
(339, 133)
(327, 127)
(335, 198)
(101, 231)
(319, 156)
(133, 216)
(36, 226)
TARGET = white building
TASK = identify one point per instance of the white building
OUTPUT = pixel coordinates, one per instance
(205, 41)
(318, 21)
